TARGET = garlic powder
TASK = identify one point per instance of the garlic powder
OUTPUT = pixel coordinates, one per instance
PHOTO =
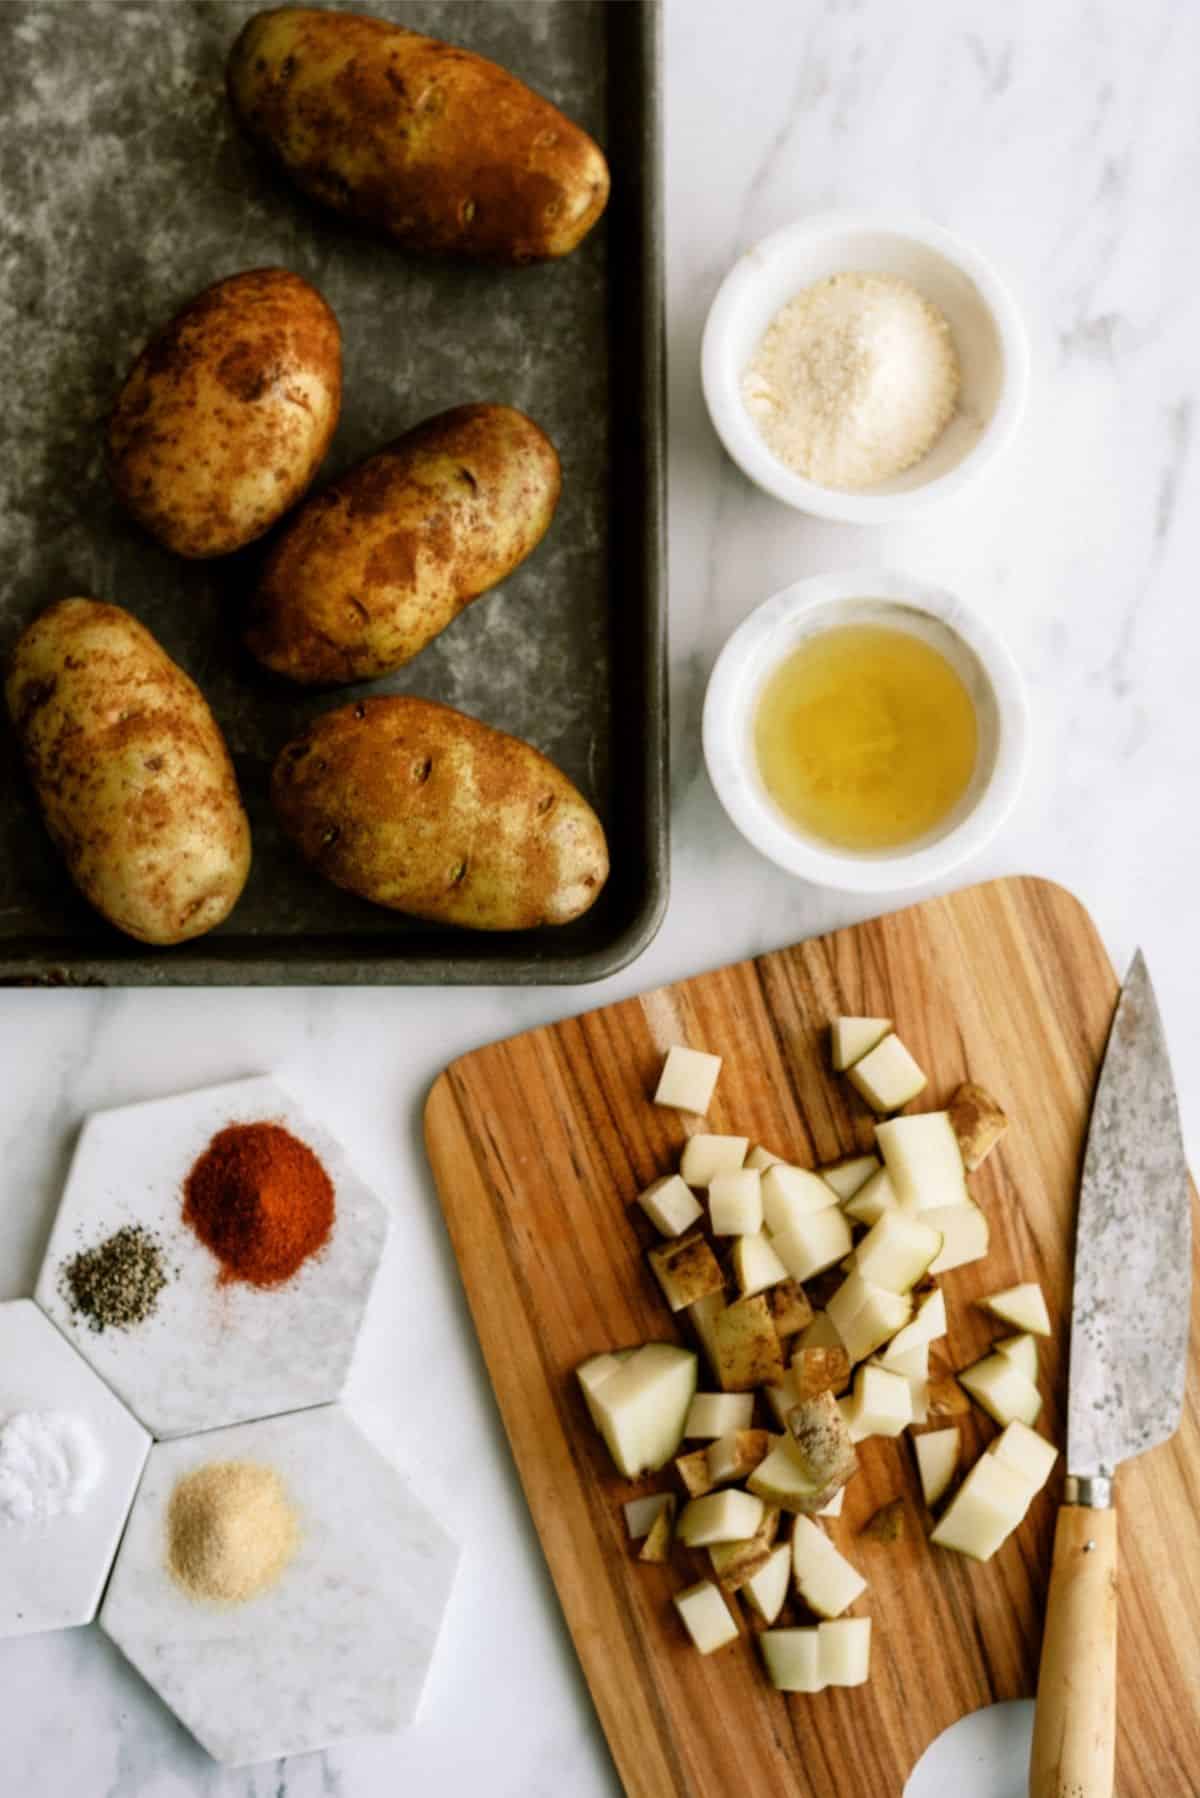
(854, 381)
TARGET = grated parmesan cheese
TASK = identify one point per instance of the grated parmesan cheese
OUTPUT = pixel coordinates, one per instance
(854, 381)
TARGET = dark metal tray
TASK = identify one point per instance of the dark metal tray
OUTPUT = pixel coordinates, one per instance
(124, 188)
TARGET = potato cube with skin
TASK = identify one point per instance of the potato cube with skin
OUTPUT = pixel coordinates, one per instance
(703, 1315)
(997, 1383)
(813, 1243)
(817, 1370)
(706, 1616)
(640, 1408)
(1024, 1307)
(896, 1251)
(849, 1176)
(791, 1194)
(692, 1471)
(640, 1513)
(671, 1205)
(928, 1324)
(822, 1441)
(852, 1038)
(790, 1309)
(713, 1414)
(844, 1651)
(704, 1157)
(881, 1404)
(746, 1346)
(766, 1590)
(720, 1517)
(688, 1080)
(937, 1458)
(735, 1456)
(888, 1076)
(824, 1578)
(762, 1158)
(735, 1203)
(1024, 1351)
(874, 1198)
(985, 1510)
(687, 1270)
(1026, 1453)
(923, 1161)
(965, 1236)
(660, 1538)
(820, 1333)
(733, 1563)
(793, 1659)
(978, 1122)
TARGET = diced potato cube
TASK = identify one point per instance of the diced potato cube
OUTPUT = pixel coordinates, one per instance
(1023, 1350)
(874, 1198)
(735, 1456)
(852, 1038)
(706, 1616)
(746, 1345)
(1026, 1453)
(592, 1374)
(784, 1479)
(820, 1333)
(813, 1243)
(923, 1160)
(986, 1509)
(641, 1512)
(782, 1398)
(762, 1158)
(720, 1517)
(671, 1205)
(656, 1549)
(688, 1080)
(965, 1235)
(865, 1316)
(793, 1659)
(693, 1472)
(896, 1251)
(820, 1370)
(791, 1194)
(887, 1076)
(686, 1269)
(937, 1459)
(640, 1408)
(735, 1203)
(819, 1435)
(766, 1590)
(704, 1157)
(913, 1363)
(1024, 1307)
(713, 1414)
(790, 1309)
(844, 1651)
(733, 1563)
(849, 1176)
(978, 1122)
(997, 1383)
(824, 1578)
(928, 1324)
(881, 1404)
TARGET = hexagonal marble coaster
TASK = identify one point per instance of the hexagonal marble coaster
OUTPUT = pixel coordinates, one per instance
(340, 1646)
(52, 1573)
(211, 1354)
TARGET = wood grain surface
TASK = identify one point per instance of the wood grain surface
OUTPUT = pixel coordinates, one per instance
(540, 1145)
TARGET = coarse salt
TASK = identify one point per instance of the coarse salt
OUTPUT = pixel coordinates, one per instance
(854, 381)
(50, 1462)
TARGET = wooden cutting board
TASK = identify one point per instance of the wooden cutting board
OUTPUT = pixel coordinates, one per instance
(540, 1145)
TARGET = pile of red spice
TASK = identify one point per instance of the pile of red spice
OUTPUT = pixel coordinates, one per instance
(261, 1201)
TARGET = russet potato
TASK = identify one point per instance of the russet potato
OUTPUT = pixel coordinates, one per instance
(372, 569)
(440, 149)
(415, 806)
(225, 417)
(133, 776)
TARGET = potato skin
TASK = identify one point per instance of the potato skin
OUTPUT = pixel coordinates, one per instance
(225, 417)
(373, 568)
(439, 148)
(134, 779)
(415, 806)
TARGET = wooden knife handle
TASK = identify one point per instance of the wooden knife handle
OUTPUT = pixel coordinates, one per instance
(1074, 1730)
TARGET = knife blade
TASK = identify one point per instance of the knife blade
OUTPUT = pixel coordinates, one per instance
(1129, 1321)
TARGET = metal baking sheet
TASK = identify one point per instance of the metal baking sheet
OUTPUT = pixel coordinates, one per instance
(124, 189)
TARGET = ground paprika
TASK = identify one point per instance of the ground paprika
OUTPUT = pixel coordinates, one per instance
(261, 1201)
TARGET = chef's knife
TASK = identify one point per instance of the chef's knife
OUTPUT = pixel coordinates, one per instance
(1129, 1345)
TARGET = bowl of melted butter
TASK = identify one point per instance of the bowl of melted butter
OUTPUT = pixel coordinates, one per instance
(866, 731)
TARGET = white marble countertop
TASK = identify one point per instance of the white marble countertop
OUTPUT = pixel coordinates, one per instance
(1065, 140)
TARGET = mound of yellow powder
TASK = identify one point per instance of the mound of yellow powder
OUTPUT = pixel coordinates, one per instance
(230, 1531)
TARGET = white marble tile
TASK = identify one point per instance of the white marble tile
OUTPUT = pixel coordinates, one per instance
(1065, 140)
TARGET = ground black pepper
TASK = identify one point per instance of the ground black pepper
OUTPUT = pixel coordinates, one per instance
(116, 1284)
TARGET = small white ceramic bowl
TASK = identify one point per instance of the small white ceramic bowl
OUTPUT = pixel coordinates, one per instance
(866, 596)
(988, 334)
